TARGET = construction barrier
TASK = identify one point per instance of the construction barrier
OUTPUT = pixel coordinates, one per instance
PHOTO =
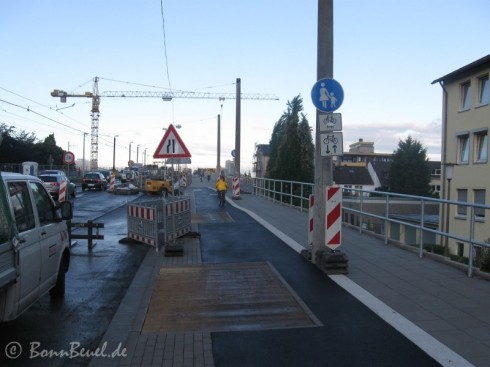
(112, 183)
(236, 187)
(333, 211)
(311, 201)
(62, 192)
(157, 222)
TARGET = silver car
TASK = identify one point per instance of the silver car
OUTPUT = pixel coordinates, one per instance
(53, 183)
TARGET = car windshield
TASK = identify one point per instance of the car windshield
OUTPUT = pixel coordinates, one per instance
(92, 176)
(48, 178)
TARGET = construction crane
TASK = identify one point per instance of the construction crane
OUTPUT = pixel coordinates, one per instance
(166, 96)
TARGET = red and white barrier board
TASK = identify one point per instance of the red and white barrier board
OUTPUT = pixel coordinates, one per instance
(333, 216)
(157, 222)
(112, 183)
(62, 192)
(311, 201)
(236, 186)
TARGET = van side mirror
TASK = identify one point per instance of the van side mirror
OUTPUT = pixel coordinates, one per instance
(66, 210)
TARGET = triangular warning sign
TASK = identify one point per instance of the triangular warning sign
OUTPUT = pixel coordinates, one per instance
(171, 146)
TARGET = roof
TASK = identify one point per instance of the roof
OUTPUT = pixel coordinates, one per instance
(346, 175)
(480, 63)
(263, 148)
(382, 169)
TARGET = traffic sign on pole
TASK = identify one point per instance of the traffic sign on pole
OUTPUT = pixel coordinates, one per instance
(171, 145)
(331, 144)
(327, 95)
(330, 122)
(68, 157)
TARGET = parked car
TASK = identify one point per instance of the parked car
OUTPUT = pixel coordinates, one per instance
(107, 174)
(53, 183)
(34, 245)
(94, 180)
(53, 172)
(129, 175)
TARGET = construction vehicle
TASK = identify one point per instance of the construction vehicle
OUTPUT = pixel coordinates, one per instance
(157, 184)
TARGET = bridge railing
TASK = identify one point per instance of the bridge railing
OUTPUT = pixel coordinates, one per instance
(421, 222)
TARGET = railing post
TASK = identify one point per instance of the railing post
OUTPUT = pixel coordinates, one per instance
(472, 237)
(362, 211)
(422, 213)
(387, 214)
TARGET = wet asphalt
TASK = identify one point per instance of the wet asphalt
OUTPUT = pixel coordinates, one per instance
(350, 335)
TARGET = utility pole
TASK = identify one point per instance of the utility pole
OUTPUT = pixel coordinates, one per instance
(324, 253)
(218, 162)
(238, 127)
(323, 165)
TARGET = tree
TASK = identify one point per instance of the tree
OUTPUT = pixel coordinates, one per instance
(18, 147)
(291, 146)
(410, 170)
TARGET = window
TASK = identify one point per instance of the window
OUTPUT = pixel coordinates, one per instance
(479, 195)
(481, 146)
(21, 204)
(483, 90)
(460, 249)
(466, 96)
(464, 148)
(43, 202)
(463, 197)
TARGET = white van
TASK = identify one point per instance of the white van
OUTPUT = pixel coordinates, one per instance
(34, 243)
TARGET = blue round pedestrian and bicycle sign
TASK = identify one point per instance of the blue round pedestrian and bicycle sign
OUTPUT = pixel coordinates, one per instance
(327, 95)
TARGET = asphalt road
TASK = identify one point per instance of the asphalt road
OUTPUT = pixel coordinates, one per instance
(95, 284)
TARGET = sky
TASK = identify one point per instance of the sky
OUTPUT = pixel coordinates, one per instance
(386, 55)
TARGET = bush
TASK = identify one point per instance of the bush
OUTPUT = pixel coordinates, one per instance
(485, 260)
(436, 249)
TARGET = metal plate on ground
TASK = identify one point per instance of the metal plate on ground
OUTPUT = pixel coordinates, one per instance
(211, 217)
(224, 297)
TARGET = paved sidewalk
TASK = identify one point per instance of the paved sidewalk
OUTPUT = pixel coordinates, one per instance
(436, 306)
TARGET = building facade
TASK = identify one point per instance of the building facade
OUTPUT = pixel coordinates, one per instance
(465, 166)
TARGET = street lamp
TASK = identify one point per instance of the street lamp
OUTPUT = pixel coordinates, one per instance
(114, 156)
(448, 174)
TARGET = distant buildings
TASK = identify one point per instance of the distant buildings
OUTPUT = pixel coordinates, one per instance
(359, 168)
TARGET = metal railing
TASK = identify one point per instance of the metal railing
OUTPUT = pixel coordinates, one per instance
(384, 211)
(292, 193)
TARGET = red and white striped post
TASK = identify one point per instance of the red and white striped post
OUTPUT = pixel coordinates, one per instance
(236, 187)
(112, 183)
(62, 192)
(311, 201)
(333, 217)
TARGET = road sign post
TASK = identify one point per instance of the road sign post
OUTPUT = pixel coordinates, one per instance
(327, 95)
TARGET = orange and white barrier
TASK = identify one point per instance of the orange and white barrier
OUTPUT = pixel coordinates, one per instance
(236, 186)
(333, 213)
(62, 192)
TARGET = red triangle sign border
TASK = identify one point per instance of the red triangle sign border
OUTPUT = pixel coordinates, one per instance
(165, 142)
